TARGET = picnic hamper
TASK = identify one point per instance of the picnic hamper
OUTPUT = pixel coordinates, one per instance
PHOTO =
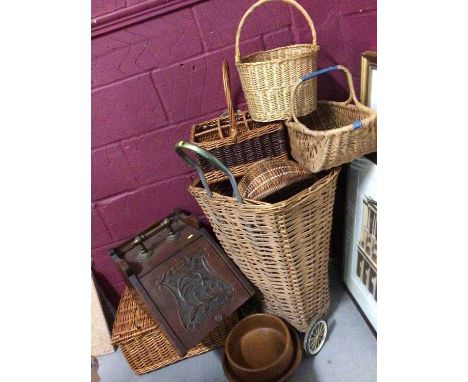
(282, 247)
(145, 346)
(335, 133)
(267, 76)
(236, 139)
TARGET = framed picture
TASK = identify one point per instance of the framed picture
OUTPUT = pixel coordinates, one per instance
(369, 79)
(360, 274)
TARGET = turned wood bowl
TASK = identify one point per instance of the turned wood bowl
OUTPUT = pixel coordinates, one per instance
(259, 348)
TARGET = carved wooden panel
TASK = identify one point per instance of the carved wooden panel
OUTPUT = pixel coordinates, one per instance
(196, 288)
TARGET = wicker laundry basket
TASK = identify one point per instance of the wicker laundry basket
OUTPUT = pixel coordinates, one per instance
(267, 76)
(281, 247)
(335, 133)
(236, 139)
(145, 346)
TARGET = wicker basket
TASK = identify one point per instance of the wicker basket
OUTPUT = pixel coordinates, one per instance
(335, 133)
(269, 176)
(267, 76)
(236, 139)
(144, 344)
(282, 247)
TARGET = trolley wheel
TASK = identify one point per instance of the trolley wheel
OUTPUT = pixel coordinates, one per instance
(315, 337)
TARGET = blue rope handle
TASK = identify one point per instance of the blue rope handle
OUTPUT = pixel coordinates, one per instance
(356, 124)
(316, 73)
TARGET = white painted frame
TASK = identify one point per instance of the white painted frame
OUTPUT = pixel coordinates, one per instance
(362, 181)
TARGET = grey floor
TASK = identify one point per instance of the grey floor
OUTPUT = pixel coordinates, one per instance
(349, 354)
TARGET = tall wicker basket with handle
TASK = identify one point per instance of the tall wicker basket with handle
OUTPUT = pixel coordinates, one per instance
(335, 133)
(267, 76)
(282, 247)
(143, 343)
(236, 139)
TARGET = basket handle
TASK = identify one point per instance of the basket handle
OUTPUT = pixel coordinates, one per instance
(260, 2)
(227, 95)
(182, 145)
(308, 76)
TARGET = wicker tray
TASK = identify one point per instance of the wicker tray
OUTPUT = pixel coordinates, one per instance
(144, 344)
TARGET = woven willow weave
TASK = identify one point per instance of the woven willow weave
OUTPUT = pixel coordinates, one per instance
(236, 139)
(145, 346)
(269, 176)
(267, 76)
(282, 248)
(335, 133)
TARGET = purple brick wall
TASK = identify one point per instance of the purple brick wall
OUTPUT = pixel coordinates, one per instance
(153, 79)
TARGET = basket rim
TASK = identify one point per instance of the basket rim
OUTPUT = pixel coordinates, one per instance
(290, 123)
(315, 49)
(266, 127)
(293, 200)
(296, 173)
(222, 116)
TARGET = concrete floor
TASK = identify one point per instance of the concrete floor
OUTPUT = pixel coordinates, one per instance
(348, 355)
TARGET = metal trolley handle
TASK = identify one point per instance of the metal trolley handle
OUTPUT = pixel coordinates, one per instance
(182, 145)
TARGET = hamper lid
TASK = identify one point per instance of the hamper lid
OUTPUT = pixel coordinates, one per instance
(131, 319)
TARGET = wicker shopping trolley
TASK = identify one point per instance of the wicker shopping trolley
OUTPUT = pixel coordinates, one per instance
(282, 247)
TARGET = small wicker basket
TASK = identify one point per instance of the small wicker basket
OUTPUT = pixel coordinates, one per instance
(335, 133)
(145, 346)
(236, 139)
(267, 76)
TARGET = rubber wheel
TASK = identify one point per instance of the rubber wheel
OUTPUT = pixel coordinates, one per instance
(315, 337)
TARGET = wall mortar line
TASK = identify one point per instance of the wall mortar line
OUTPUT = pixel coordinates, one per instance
(170, 66)
(109, 198)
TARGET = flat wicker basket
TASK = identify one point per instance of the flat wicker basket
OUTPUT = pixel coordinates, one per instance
(236, 139)
(269, 176)
(335, 133)
(145, 346)
(267, 76)
(281, 247)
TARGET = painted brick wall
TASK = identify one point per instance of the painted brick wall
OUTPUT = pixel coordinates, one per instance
(152, 80)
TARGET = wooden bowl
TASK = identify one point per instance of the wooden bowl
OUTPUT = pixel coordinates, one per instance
(259, 348)
(286, 376)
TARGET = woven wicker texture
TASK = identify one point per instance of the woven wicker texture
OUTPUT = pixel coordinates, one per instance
(145, 346)
(327, 137)
(267, 76)
(282, 247)
(236, 139)
(268, 176)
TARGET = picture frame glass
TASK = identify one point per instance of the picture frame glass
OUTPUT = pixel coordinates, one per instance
(361, 236)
